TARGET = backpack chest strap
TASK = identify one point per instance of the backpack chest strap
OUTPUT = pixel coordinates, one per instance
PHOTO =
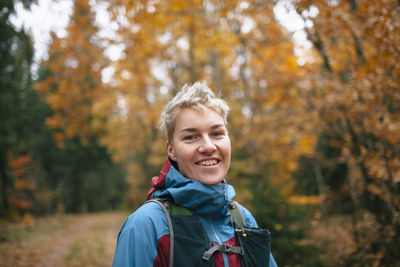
(222, 248)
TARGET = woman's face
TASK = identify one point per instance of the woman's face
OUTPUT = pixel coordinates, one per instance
(201, 145)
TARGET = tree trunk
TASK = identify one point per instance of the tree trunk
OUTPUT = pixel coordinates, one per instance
(321, 187)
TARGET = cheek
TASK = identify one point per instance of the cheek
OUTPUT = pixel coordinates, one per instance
(183, 153)
(227, 147)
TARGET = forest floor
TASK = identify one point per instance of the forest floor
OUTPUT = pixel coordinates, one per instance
(61, 240)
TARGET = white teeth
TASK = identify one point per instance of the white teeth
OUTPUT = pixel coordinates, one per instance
(208, 162)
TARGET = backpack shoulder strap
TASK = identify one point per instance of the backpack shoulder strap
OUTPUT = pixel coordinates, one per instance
(177, 210)
(236, 214)
(164, 205)
(169, 207)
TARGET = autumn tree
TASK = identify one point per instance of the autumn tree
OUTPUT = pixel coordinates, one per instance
(70, 82)
(74, 76)
(15, 82)
(357, 98)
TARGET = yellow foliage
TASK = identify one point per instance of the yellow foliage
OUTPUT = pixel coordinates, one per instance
(292, 63)
(305, 200)
(307, 144)
(29, 221)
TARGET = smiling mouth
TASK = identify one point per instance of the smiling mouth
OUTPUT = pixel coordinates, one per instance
(208, 162)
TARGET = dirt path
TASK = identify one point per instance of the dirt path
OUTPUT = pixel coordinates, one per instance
(60, 245)
(63, 241)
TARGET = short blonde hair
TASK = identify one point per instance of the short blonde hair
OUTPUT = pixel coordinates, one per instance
(197, 96)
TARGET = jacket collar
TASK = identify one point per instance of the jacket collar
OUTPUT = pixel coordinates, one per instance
(199, 197)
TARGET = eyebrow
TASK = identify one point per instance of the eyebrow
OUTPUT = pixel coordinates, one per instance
(195, 129)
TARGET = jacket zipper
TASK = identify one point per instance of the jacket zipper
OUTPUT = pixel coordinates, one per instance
(224, 256)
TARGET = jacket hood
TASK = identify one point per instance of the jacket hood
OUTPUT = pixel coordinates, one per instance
(199, 197)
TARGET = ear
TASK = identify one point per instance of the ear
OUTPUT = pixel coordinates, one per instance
(171, 151)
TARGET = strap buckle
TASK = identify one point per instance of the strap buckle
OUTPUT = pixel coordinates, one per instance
(226, 248)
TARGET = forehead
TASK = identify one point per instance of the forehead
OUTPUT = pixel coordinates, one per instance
(198, 119)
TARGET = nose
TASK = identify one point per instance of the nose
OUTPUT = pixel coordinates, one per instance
(207, 146)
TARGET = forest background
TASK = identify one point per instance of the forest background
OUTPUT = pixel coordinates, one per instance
(315, 130)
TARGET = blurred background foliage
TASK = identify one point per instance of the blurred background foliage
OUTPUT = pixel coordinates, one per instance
(315, 132)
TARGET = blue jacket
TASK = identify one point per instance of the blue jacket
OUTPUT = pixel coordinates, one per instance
(143, 240)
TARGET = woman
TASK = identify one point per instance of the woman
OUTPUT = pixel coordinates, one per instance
(193, 177)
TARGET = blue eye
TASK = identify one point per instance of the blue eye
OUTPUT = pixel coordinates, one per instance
(218, 134)
(188, 137)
